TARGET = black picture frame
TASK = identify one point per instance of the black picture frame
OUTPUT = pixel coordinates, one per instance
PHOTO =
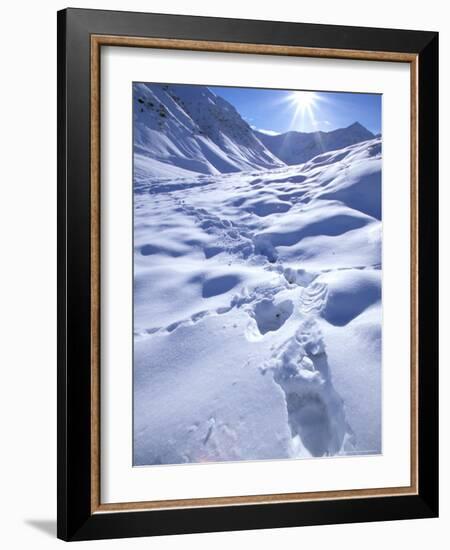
(76, 520)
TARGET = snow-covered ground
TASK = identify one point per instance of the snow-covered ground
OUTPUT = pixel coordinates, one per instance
(257, 308)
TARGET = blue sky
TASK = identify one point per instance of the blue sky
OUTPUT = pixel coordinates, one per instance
(283, 110)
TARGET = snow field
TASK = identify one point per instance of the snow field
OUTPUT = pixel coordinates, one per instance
(257, 310)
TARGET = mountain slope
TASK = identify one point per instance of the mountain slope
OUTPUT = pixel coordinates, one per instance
(188, 129)
(299, 147)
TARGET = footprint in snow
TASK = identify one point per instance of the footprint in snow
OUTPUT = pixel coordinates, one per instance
(315, 410)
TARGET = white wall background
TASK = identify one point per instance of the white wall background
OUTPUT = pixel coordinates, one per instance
(28, 272)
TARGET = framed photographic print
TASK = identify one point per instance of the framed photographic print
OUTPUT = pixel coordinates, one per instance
(247, 274)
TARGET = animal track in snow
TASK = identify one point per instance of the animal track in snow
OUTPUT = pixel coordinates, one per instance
(231, 237)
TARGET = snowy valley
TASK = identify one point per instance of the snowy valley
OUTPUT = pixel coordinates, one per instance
(257, 286)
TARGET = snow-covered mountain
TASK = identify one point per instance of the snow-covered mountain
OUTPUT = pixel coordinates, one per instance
(299, 147)
(180, 130)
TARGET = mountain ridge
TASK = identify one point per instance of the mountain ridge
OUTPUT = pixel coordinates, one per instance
(181, 130)
(193, 130)
(294, 147)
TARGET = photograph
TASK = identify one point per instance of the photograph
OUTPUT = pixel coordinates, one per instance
(257, 274)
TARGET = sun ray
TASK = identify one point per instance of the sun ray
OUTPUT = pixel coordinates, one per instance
(304, 105)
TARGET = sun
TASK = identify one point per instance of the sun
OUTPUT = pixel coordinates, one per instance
(304, 106)
(304, 100)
